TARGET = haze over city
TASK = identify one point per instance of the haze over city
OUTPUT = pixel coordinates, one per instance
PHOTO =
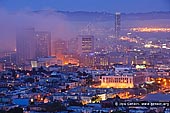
(85, 56)
(18, 13)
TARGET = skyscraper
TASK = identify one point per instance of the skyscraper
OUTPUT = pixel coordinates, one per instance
(60, 46)
(117, 25)
(25, 45)
(73, 46)
(43, 43)
(87, 43)
(60, 49)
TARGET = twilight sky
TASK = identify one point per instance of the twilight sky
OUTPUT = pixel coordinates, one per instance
(125, 6)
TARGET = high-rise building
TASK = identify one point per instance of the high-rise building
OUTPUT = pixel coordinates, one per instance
(60, 50)
(25, 45)
(87, 43)
(117, 24)
(43, 44)
(72, 46)
(60, 46)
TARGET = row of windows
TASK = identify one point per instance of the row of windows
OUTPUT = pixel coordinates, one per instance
(87, 44)
(117, 80)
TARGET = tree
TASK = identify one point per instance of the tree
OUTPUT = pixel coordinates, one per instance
(79, 73)
(68, 87)
(34, 90)
(34, 72)
(30, 80)
(53, 107)
(73, 102)
(89, 80)
(2, 111)
(13, 73)
(16, 110)
(152, 87)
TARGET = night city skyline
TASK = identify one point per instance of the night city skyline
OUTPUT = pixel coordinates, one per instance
(19, 13)
(84, 56)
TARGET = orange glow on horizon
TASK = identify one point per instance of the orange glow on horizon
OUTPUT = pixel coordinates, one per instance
(147, 29)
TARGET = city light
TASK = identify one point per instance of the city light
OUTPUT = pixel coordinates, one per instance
(147, 29)
(70, 57)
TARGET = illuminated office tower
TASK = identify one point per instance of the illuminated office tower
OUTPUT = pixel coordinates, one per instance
(43, 44)
(87, 43)
(117, 25)
(25, 45)
(60, 46)
(73, 45)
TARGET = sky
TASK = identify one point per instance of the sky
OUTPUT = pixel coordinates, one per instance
(112, 6)
(57, 24)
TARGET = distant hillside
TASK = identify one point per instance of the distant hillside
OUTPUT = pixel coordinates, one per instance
(104, 16)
